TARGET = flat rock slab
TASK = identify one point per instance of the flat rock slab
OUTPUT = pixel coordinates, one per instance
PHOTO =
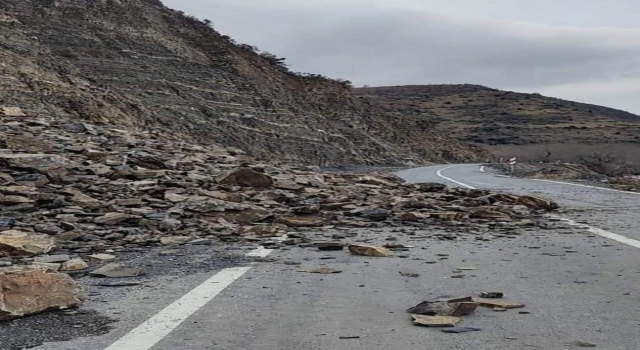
(21, 243)
(365, 250)
(116, 271)
(444, 308)
(102, 256)
(52, 258)
(32, 291)
(435, 321)
(76, 264)
(497, 303)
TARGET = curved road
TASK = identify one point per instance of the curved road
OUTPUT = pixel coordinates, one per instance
(580, 287)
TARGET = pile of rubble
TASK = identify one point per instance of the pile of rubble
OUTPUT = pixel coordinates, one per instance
(447, 311)
(87, 189)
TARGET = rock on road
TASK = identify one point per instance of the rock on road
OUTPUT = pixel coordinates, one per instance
(578, 287)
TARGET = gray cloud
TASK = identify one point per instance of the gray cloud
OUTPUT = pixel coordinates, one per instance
(587, 50)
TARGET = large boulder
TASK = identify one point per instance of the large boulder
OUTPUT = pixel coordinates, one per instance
(246, 177)
(32, 291)
(21, 243)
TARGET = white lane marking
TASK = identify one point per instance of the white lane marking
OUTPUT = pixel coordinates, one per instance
(484, 184)
(598, 231)
(482, 169)
(587, 186)
(439, 173)
(152, 331)
(260, 252)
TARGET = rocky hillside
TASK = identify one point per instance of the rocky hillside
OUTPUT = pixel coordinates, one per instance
(143, 65)
(493, 117)
(516, 124)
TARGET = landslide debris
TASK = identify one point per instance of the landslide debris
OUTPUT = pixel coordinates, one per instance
(96, 189)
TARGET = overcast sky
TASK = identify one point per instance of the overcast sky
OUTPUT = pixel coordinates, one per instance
(583, 50)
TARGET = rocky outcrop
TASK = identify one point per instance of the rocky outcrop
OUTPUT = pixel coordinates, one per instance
(140, 64)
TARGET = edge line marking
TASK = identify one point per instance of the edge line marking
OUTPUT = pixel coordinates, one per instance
(587, 186)
(598, 231)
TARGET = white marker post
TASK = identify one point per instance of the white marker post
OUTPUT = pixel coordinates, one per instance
(512, 164)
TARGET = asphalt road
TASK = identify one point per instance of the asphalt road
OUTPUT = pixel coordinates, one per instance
(578, 287)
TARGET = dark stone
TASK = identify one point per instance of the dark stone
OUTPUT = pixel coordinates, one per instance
(376, 214)
(461, 330)
(328, 246)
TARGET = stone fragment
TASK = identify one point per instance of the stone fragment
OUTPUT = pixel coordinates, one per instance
(329, 246)
(13, 200)
(76, 264)
(52, 258)
(286, 184)
(365, 250)
(448, 216)
(377, 214)
(464, 308)
(584, 344)
(414, 216)
(435, 321)
(29, 144)
(431, 187)
(537, 203)
(112, 218)
(46, 267)
(113, 270)
(443, 307)
(321, 270)
(30, 292)
(496, 303)
(174, 240)
(46, 164)
(492, 295)
(12, 112)
(247, 178)
(175, 197)
(409, 274)
(484, 213)
(267, 230)
(84, 200)
(461, 330)
(21, 243)
(102, 256)
(301, 221)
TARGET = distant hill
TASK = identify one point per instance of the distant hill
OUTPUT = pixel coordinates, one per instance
(140, 64)
(530, 126)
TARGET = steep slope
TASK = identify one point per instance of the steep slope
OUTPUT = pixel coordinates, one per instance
(140, 63)
(530, 126)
